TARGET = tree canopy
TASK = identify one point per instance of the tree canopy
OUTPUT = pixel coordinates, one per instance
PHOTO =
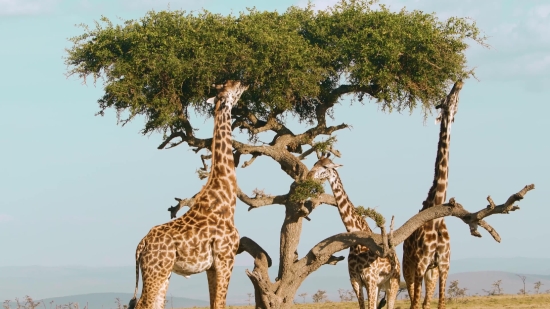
(164, 63)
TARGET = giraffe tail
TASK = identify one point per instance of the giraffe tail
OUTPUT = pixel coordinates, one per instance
(133, 301)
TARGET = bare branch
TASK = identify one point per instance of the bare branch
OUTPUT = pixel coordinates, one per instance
(334, 152)
(325, 199)
(203, 158)
(334, 259)
(488, 228)
(249, 162)
(279, 150)
(261, 200)
(255, 250)
(171, 137)
(491, 203)
(376, 242)
(308, 136)
(345, 89)
(307, 153)
(190, 140)
(181, 203)
(313, 149)
(248, 121)
(259, 276)
(390, 236)
(493, 209)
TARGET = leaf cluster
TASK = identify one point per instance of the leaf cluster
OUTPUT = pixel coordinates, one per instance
(306, 189)
(371, 213)
(164, 63)
(326, 145)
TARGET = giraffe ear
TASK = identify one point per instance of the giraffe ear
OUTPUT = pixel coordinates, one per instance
(211, 100)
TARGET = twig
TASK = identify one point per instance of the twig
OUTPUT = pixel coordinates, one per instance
(249, 162)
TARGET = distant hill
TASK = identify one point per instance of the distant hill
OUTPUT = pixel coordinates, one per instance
(520, 265)
(108, 301)
(57, 282)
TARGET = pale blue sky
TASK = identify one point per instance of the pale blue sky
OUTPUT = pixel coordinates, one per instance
(80, 190)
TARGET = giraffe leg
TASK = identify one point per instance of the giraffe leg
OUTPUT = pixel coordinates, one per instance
(218, 282)
(212, 290)
(357, 286)
(418, 276)
(430, 279)
(153, 294)
(372, 291)
(443, 273)
(160, 299)
(392, 289)
(409, 265)
(408, 274)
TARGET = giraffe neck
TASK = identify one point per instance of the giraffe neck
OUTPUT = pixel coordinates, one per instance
(352, 221)
(438, 191)
(223, 166)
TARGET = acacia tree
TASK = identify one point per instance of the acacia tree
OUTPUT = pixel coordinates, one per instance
(298, 65)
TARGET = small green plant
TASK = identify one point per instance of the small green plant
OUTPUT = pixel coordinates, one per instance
(524, 290)
(303, 296)
(454, 291)
(320, 296)
(497, 289)
(537, 286)
(346, 295)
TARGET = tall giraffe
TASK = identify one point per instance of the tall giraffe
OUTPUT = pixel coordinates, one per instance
(365, 267)
(427, 252)
(205, 237)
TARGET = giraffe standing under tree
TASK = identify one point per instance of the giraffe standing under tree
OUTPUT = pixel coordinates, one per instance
(427, 252)
(205, 237)
(366, 268)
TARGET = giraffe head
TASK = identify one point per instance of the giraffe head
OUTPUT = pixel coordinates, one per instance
(449, 105)
(228, 95)
(324, 169)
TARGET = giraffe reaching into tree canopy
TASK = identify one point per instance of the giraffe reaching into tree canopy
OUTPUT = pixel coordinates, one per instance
(427, 252)
(205, 237)
(365, 267)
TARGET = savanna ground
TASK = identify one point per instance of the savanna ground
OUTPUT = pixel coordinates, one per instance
(472, 302)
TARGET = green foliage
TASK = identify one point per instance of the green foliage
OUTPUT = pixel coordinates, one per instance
(306, 189)
(164, 63)
(325, 145)
(371, 213)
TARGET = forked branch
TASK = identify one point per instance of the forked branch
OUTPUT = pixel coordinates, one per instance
(259, 276)
(384, 244)
(181, 203)
(249, 162)
(261, 199)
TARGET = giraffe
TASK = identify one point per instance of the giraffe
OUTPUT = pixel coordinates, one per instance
(427, 252)
(365, 267)
(205, 237)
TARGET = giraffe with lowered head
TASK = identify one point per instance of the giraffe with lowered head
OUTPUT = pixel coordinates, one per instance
(365, 267)
(427, 252)
(205, 237)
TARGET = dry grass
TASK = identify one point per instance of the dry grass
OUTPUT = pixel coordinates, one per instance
(475, 302)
